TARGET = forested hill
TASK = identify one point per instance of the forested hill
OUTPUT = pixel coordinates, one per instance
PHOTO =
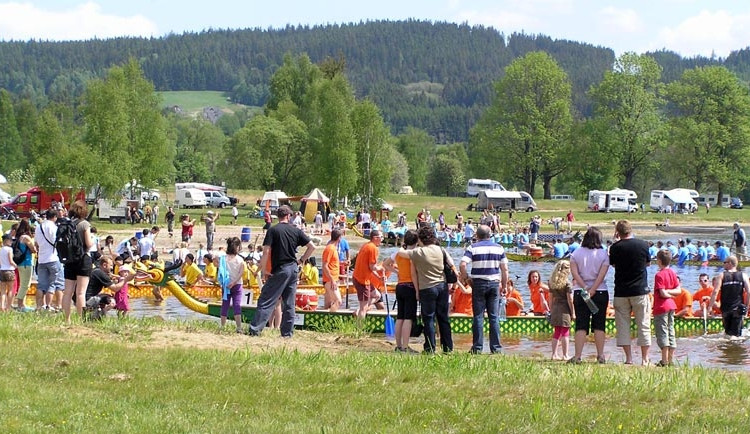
(434, 76)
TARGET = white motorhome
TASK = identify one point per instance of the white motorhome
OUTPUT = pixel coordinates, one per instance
(503, 200)
(712, 199)
(190, 198)
(474, 186)
(674, 200)
(612, 200)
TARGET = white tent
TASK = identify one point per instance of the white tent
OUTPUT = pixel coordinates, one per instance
(272, 199)
(3, 180)
(679, 199)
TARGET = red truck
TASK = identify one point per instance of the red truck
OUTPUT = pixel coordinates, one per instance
(39, 200)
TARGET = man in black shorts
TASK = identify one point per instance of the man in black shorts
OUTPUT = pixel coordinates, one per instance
(734, 288)
(280, 247)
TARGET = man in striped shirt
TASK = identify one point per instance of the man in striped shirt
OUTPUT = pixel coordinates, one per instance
(489, 277)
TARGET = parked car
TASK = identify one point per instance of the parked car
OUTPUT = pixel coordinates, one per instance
(735, 203)
(150, 195)
(217, 199)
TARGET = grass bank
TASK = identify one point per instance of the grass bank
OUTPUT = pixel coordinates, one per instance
(149, 376)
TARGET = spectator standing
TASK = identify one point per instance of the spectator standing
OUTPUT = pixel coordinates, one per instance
(280, 247)
(630, 258)
(489, 277)
(49, 270)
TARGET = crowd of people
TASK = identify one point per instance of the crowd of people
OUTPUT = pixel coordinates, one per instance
(576, 295)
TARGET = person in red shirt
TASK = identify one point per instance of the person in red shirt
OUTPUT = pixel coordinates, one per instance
(666, 287)
(570, 218)
(330, 261)
(367, 269)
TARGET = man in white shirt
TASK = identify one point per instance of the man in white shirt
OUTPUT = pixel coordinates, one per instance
(49, 270)
(145, 244)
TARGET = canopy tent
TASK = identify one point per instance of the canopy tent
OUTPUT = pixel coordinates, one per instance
(679, 199)
(312, 203)
(272, 199)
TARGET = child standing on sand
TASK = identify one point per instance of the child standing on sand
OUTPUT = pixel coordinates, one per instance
(666, 287)
(562, 313)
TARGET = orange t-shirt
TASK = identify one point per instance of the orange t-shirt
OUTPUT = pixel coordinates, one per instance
(536, 299)
(684, 300)
(331, 262)
(706, 292)
(367, 256)
(462, 303)
(404, 269)
(510, 308)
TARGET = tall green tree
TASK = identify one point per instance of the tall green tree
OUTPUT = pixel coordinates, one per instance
(711, 128)
(11, 148)
(374, 151)
(417, 147)
(333, 142)
(628, 101)
(125, 127)
(527, 125)
(446, 177)
(279, 143)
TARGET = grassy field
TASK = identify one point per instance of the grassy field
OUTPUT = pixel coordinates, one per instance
(193, 102)
(150, 376)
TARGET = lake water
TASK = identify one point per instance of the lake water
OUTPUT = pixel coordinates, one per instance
(714, 350)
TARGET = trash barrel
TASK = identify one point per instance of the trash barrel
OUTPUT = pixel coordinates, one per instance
(245, 237)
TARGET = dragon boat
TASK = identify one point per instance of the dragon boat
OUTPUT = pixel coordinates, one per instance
(324, 320)
(520, 257)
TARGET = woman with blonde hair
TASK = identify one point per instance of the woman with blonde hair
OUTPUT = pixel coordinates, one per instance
(562, 312)
(77, 273)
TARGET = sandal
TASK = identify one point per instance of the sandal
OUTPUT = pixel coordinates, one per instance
(662, 364)
(601, 360)
(574, 361)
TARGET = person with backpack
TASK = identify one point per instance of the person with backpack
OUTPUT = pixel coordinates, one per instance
(23, 247)
(73, 241)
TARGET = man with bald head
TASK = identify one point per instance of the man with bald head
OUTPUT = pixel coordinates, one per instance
(489, 280)
(734, 287)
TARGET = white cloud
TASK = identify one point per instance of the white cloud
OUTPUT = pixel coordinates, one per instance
(615, 20)
(24, 21)
(707, 33)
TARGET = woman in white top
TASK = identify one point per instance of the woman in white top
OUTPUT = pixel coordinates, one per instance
(233, 292)
(589, 265)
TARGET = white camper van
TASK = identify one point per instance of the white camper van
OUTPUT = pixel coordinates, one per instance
(674, 200)
(612, 200)
(503, 200)
(474, 186)
(712, 199)
(190, 198)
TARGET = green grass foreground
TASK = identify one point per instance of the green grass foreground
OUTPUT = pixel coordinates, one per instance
(116, 376)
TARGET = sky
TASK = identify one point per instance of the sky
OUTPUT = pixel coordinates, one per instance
(688, 27)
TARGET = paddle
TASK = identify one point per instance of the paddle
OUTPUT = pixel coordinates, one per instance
(390, 326)
(705, 321)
